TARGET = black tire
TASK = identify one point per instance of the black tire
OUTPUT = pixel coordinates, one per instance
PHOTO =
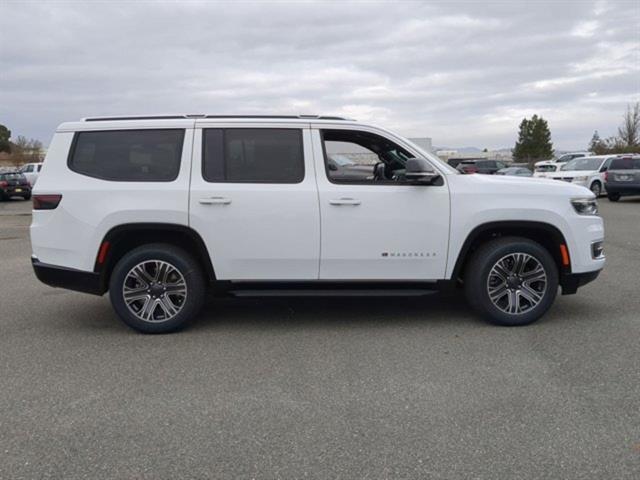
(596, 188)
(27, 196)
(613, 197)
(191, 277)
(476, 281)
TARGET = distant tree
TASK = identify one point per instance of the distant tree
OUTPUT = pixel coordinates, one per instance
(5, 135)
(629, 131)
(485, 150)
(628, 138)
(26, 150)
(598, 146)
(534, 140)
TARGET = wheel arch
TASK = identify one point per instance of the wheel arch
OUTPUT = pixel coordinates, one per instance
(123, 238)
(546, 234)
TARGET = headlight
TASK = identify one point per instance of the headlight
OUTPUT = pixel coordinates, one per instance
(580, 179)
(585, 206)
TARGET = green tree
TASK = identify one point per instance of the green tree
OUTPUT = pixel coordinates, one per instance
(5, 135)
(534, 140)
(598, 146)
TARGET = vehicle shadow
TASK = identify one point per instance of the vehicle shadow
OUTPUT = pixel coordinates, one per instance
(287, 312)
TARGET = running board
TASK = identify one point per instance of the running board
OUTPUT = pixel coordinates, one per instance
(323, 288)
(331, 293)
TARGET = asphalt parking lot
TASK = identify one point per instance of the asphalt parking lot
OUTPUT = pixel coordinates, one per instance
(321, 388)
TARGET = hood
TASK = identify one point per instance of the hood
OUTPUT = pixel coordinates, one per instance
(519, 186)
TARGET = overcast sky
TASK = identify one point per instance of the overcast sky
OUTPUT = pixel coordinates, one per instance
(463, 73)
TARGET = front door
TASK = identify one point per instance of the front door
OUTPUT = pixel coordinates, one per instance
(374, 225)
(254, 200)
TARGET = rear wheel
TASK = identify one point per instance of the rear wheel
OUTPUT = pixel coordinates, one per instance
(27, 196)
(157, 288)
(511, 281)
(614, 197)
(596, 188)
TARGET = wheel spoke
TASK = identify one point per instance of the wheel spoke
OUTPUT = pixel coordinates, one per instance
(134, 294)
(513, 304)
(534, 275)
(497, 293)
(531, 295)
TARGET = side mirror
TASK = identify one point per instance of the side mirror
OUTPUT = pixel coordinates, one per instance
(418, 170)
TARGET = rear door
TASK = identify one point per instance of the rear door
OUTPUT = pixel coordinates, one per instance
(254, 200)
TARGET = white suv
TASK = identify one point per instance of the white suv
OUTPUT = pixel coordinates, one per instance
(157, 209)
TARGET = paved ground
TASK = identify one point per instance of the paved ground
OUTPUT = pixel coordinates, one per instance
(317, 388)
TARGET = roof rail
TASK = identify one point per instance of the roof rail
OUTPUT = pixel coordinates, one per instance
(201, 115)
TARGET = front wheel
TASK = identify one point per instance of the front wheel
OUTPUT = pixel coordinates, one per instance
(511, 281)
(157, 288)
(596, 188)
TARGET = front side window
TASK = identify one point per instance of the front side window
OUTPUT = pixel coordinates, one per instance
(353, 156)
(252, 155)
(128, 155)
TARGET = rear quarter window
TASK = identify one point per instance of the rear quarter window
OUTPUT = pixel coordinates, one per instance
(128, 155)
(625, 164)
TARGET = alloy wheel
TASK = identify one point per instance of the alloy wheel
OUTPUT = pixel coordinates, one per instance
(154, 291)
(517, 283)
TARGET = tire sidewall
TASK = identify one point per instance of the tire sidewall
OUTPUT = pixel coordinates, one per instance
(182, 262)
(480, 295)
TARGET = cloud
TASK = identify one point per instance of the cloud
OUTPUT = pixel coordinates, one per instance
(461, 72)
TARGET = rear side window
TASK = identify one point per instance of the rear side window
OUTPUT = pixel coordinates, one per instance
(252, 155)
(625, 164)
(128, 155)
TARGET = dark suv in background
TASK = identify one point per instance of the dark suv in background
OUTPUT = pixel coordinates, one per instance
(623, 177)
(480, 166)
(14, 184)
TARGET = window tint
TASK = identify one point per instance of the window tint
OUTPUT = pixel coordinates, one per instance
(253, 155)
(128, 155)
(625, 164)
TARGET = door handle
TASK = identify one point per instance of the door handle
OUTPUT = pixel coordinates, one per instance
(215, 201)
(344, 201)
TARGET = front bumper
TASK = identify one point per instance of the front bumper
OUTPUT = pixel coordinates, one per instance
(570, 282)
(69, 278)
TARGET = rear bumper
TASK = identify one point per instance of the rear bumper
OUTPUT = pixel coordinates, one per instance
(623, 189)
(570, 282)
(69, 278)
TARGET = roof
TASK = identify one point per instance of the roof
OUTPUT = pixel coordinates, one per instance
(203, 116)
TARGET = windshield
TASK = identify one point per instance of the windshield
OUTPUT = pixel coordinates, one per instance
(584, 163)
(569, 156)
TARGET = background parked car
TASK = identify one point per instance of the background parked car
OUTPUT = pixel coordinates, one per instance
(488, 167)
(586, 171)
(567, 157)
(547, 170)
(515, 172)
(14, 184)
(31, 172)
(623, 177)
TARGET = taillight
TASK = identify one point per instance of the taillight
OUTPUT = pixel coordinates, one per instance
(606, 176)
(3, 184)
(46, 202)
